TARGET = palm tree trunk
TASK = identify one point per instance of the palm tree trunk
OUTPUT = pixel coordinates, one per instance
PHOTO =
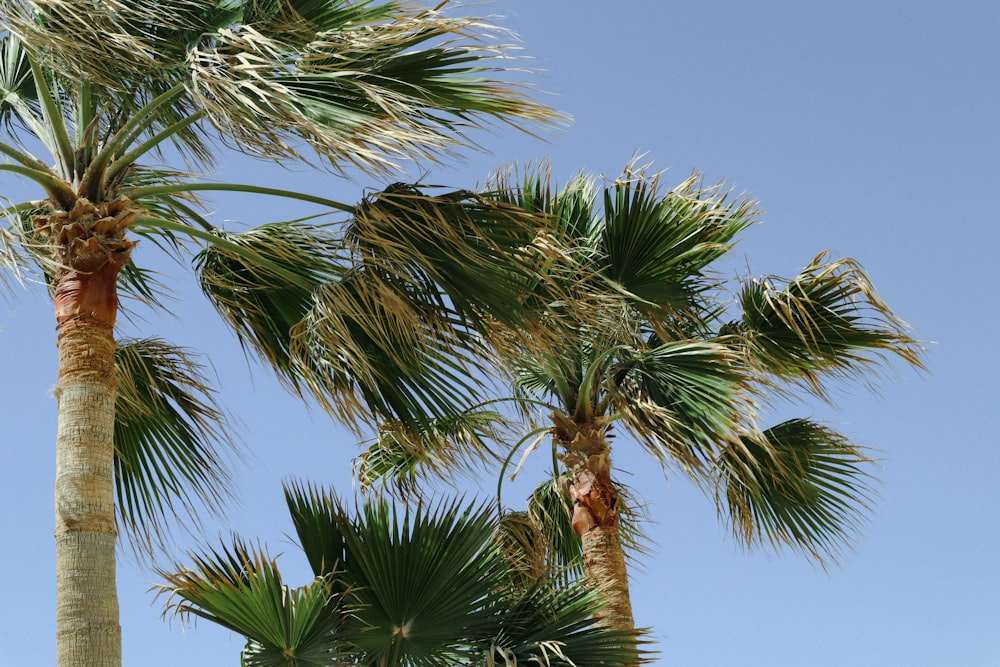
(595, 514)
(87, 625)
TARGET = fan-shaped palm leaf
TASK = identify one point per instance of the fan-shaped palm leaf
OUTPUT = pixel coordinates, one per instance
(827, 320)
(170, 439)
(241, 589)
(797, 484)
(415, 587)
(658, 245)
(362, 83)
(681, 399)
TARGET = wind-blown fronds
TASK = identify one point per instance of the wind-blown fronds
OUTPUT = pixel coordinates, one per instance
(368, 351)
(485, 255)
(263, 281)
(798, 484)
(171, 440)
(403, 458)
(362, 83)
(681, 399)
(655, 354)
(658, 246)
(828, 320)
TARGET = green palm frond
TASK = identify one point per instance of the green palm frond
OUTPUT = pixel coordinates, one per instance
(552, 624)
(420, 586)
(181, 205)
(827, 320)
(402, 457)
(143, 286)
(797, 484)
(18, 95)
(318, 517)
(371, 352)
(550, 509)
(170, 440)
(482, 253)
(363, 84)
(657, 246)
(263, 281)
(241, 589)
(571, 209)
(681, 399)
(421, 579)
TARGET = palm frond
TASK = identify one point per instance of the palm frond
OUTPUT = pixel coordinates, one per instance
(318, 517)
(551, 511)
(552, 624)
(481, 253)
(798, 484)
(170, 439)
(683, 400)
(371, 352)
(363, 84)
(658, 245)
(402, 457)
(142, 286)
(262, 282)
(241, 589)
(18, 95)
(421, 579)
(418, 577)
(399, 83)
(827, 320)
(572, 208)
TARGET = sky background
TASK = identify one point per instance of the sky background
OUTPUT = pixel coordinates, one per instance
(867, 129)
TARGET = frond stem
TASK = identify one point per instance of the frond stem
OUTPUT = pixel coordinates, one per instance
(56, 188)
(53, 116)
(506, 463)
(130, 157)
(138, 193)
(137, 123)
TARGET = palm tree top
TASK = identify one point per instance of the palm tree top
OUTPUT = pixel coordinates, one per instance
(363, 84)
(687, 364)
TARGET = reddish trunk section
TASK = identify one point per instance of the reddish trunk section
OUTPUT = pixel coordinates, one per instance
(88, 295)
(595, 500)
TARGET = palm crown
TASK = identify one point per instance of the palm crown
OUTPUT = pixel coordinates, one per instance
(687, 374)
(422, 586)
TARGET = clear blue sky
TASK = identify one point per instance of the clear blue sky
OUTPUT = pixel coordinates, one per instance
(869, 129)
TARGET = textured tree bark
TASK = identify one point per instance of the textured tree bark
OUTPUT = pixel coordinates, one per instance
(87, 618)
(595, 515)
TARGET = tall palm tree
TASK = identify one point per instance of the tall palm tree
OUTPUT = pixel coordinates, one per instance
(672, 360)
(101, 87)
(421, 586)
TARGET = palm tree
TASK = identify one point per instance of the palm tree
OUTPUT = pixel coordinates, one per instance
(421, 586)
(101, 87)
(670, 361)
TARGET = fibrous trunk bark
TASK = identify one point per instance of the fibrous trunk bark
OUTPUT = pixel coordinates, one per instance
(88, 246)
(587, 456)
(87, 620)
